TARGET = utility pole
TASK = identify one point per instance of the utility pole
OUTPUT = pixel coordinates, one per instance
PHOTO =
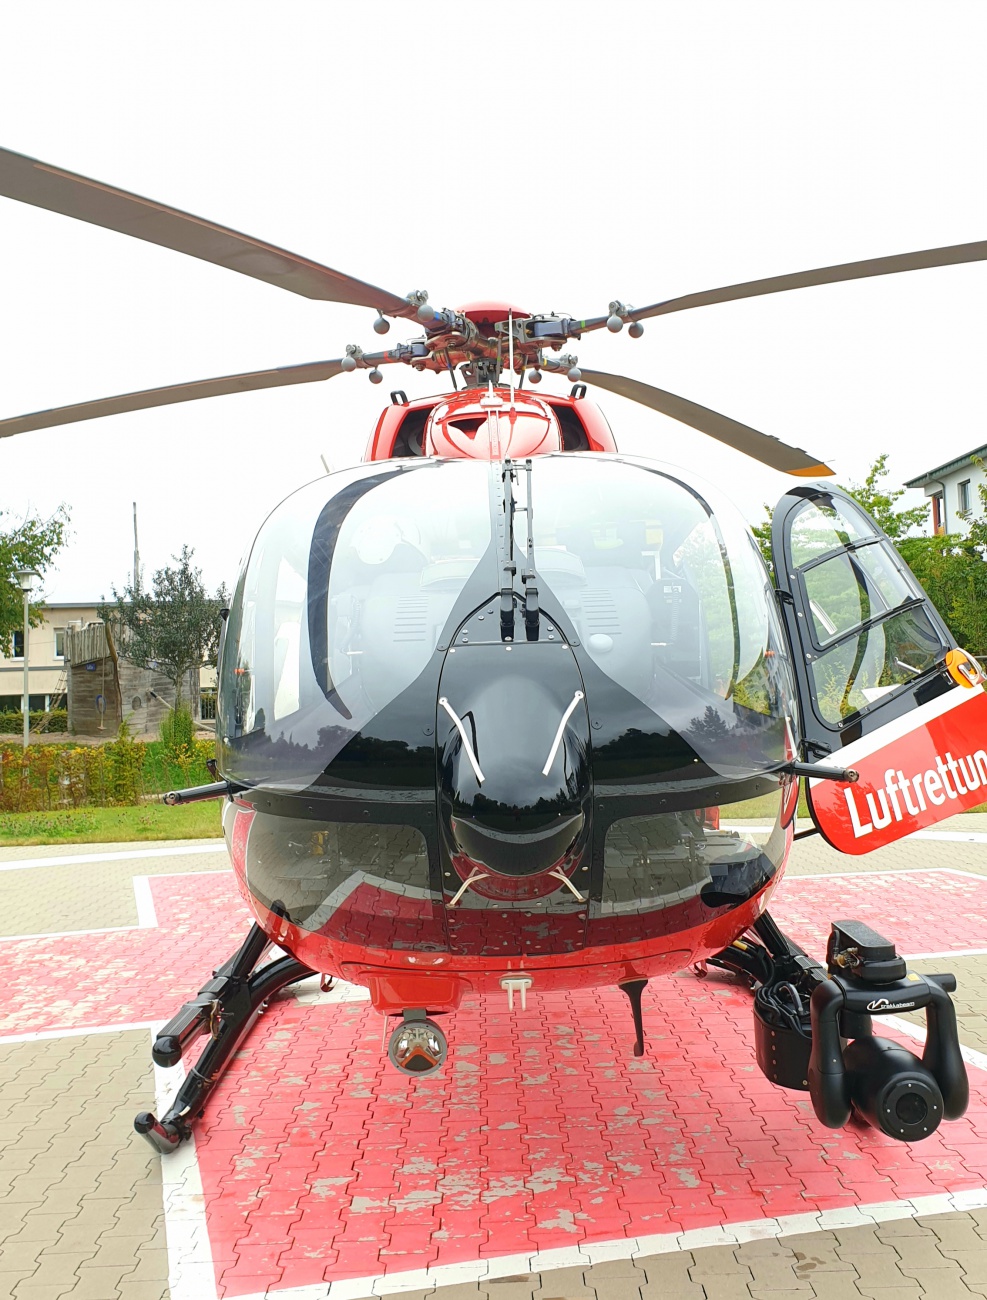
(137, 556)
(27, 578)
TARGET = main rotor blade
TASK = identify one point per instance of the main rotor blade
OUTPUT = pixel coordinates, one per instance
(34, 182)
(245, 383)
(762, 446)
(953, 255)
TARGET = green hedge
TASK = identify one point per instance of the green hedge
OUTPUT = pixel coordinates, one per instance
(122, 771)
(12, 722)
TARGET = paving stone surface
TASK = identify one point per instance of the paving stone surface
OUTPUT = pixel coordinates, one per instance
(317, 1164)
(81, 895)
(71, 1176)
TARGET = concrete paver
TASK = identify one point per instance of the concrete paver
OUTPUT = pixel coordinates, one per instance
(81, 1210)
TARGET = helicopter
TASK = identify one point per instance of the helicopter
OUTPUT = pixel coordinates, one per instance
(489, 700)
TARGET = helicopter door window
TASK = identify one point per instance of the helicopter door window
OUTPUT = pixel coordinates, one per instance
(861, 620)
(858, 671)
(289, 605)
(851, 588)
(821, 528)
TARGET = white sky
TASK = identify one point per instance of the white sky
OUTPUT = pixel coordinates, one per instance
(557, 156)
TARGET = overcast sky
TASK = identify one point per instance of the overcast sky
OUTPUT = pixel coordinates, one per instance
(555, 156)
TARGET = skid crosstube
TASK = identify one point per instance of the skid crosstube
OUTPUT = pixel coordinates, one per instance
(226, 1008)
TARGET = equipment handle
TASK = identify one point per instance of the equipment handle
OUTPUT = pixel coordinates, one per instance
(942, 1056)
(215, 790)
(827, 1074)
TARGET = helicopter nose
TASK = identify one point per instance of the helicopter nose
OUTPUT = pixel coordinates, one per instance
(514, 768)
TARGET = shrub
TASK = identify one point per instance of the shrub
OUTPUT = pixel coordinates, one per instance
(178, 730)
(12, 721)
(46, 777)
(120, 771)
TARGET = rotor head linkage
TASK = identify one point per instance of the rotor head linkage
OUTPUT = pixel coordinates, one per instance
(620, 312)
(566, 362)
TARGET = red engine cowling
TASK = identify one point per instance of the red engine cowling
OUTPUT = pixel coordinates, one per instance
(460, 426)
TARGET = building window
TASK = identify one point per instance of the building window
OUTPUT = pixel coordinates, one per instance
(18, 644)
(937, 524)
(963, 493)
(59, 642)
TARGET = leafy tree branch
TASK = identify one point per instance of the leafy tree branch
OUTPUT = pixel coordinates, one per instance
(174, 627)
(31, 544)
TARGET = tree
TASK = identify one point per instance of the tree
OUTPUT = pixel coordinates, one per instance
(173, 628)
(878, 501)
(31, 544)
(950, 567)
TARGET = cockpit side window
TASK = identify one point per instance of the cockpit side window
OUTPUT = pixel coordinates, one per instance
(346, 592)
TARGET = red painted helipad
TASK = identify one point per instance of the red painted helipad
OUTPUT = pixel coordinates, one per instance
(319, 1162)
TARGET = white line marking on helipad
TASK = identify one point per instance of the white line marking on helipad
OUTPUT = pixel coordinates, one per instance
(191, 1274)
(71, 859)
(597, 1252)
(39, 1035)
(971, 837)
(945, 956)
(969, 1054)
(896, 872)
(147, 917)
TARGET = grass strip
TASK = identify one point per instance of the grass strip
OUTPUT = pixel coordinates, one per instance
(149, 821)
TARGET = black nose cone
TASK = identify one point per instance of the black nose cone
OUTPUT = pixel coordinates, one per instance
(515, 841)
(513, 753)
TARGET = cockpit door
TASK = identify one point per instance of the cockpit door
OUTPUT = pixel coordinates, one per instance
(883, 689)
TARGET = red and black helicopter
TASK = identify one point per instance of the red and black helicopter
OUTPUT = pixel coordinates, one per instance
(487, 700)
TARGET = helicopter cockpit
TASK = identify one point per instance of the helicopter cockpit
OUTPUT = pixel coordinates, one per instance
(355, 582)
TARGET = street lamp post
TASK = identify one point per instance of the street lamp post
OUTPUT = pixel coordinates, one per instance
(28, 580)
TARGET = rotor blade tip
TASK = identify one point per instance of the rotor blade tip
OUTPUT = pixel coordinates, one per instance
(814, 471)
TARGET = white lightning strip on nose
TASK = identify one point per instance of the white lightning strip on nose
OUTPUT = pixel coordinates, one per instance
(559, 734)
(463, 736)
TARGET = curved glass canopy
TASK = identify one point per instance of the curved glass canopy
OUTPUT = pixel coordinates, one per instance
(357, 580)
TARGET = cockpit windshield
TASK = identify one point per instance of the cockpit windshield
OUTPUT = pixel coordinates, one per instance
(351, 586)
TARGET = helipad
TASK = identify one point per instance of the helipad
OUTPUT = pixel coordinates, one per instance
(544, 1160)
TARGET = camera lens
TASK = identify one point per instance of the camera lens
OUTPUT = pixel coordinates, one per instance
(911, 1108)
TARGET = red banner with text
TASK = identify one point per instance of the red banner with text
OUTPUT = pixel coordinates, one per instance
(914, 771)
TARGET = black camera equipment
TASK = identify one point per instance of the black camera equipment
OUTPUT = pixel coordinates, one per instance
(814, 1030)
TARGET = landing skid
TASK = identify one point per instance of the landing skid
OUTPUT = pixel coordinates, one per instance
(226, 1008)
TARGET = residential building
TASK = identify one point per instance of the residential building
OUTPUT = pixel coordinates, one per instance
(142, 702)
(47, 679)
(952, 488)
